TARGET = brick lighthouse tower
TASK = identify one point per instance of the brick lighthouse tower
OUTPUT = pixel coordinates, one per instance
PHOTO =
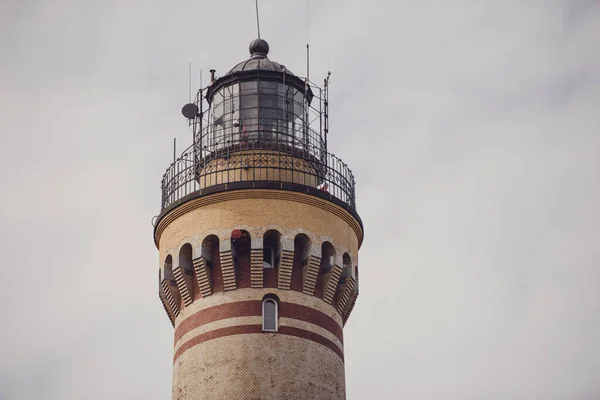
(258, 237)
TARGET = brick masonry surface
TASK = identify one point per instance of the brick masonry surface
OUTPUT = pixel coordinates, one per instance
(254, 308)
(287, 296)
(254, 208)
(309, 338)
(212, 322)
(333, 342)
(220, 351)
(258, 366)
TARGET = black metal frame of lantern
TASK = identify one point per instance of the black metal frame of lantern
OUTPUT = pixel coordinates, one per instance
(259, 120)
(263, 107)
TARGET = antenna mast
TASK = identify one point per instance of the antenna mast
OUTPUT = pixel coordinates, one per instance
(257, 19)
(174, 150)
(326, 106)
(307, 81)
(190, 82)
(307, 41)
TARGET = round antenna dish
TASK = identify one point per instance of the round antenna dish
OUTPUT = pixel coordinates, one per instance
(190, 111)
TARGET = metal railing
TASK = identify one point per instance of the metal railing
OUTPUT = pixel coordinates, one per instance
(260, 133)
(266, 162)
(215, 138)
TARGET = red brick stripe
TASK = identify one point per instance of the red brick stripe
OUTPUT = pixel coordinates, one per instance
(315, 337)
(246, 329)
(216, 313)
(253, 308)
(307, 314)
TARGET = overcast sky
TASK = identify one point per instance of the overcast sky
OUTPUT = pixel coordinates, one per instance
(473, 129)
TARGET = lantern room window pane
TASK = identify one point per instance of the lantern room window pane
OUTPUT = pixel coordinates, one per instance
(218, 97)
(249, 101)
(267, 87)
(258, 111)
(248, 87)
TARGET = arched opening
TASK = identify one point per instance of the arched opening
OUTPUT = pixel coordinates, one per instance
(347, 271)
(185, 259)
(169, 270)
(327, 262)
(210, 250)
(302, 246)
(240, 244)
(271, 249)
(212, 260)
(327, 257)
(271, 257)
(270, 313)
(170, 278)
(240, 251)
(186, 264)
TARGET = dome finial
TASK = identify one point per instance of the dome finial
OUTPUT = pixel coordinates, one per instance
(259, 47)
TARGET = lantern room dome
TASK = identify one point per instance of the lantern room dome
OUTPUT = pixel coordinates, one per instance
(259, 68)
(259, 49)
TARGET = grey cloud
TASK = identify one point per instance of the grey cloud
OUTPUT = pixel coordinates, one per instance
(472, 129)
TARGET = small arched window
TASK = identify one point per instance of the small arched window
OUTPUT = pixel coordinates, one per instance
(185, 259)
(271, 249)
(347, 271)
(269, 315)
(210, 248)
(240, 247)
(301, 249)
(169, 270)
(327, 257)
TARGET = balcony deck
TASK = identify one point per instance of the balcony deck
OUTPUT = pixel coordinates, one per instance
(258, 165)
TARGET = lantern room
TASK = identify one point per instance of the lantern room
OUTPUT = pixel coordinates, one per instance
(259, 101)
(258, 126)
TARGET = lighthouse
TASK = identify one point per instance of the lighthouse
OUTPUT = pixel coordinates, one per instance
(258, 238)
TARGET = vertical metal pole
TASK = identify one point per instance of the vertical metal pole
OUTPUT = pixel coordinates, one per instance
(306, 86)
(257, 20)
(320, 117)
(199, 136)
(307, 40)
(327, 108)
(284, 129)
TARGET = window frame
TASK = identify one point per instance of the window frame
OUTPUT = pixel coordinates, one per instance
(276, 307)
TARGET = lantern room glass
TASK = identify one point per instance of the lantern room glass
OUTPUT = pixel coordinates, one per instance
(257, 112)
